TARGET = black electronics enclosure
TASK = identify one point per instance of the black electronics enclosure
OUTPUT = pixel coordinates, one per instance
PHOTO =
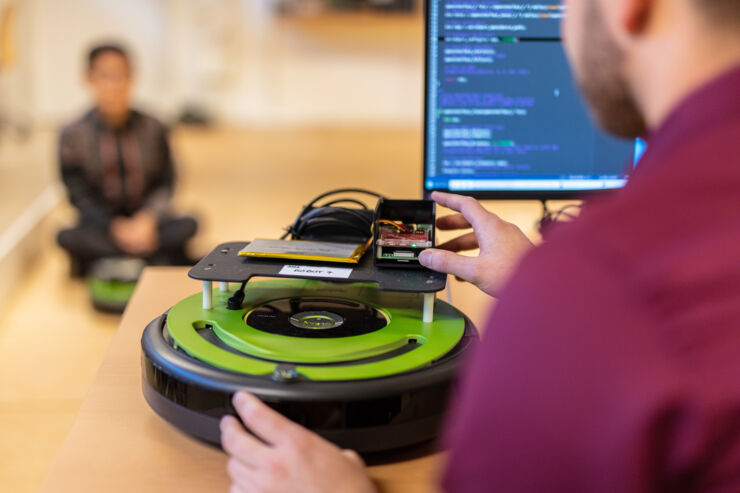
(403, 212)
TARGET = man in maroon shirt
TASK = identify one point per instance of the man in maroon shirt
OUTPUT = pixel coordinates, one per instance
(612, 361)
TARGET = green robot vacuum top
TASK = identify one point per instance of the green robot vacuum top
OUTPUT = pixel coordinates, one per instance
(317, 330)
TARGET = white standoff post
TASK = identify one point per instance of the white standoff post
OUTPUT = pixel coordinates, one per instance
(207, 295)
(428, 313)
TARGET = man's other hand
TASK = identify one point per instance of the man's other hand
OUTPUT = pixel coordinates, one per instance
(502, 244)
(137, 235)
(280, 456)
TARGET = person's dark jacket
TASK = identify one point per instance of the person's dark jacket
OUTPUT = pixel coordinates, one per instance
(110, 172)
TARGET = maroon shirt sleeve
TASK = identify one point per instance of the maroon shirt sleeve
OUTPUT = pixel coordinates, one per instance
(568, 392)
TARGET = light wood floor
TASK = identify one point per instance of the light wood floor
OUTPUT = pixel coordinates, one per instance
(241, 183)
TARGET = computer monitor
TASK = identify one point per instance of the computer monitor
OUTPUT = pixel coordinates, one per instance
(503, 116)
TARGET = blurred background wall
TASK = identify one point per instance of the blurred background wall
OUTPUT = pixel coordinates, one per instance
(238, 60)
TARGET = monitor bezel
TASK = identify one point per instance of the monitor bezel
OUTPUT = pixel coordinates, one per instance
(484, 194)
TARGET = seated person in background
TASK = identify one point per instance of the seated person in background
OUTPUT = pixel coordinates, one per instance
(117, 167)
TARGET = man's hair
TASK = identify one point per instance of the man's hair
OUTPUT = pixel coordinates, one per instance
(101, 49)
(721, 11)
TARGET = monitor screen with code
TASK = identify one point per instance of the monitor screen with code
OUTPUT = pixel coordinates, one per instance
(503, 115)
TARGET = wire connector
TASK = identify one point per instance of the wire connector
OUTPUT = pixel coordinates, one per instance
(236, 299)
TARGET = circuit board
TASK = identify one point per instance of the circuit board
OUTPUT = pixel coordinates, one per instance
(402, 241)
(401, 231)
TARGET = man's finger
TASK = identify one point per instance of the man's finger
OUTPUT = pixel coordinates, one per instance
(353, 456)
(461, 243)
(470, 208)
(237, 488)
(239, 472)
(263, 421)
(238, 443)
(450, 263)
(453, 221)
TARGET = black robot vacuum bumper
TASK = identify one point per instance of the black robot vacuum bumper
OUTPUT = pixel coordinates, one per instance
(367, 416)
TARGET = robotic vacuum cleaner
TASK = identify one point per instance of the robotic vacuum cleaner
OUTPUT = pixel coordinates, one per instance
(352, 363)
(112, 282)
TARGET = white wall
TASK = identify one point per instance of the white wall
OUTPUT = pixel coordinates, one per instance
(227, 55)
(22, 148)
(273, 73)
(62, 31)
(15, 92)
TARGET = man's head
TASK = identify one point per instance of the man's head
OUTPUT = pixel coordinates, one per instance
(109, 74)
(621, 51)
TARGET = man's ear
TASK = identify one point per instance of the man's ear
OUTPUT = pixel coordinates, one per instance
(634, 15)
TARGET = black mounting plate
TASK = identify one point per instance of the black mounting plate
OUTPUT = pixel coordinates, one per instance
(224, 264)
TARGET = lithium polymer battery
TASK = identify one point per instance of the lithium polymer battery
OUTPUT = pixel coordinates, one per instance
(320, 251)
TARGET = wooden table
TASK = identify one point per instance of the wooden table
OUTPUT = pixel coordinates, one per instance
(118, 443)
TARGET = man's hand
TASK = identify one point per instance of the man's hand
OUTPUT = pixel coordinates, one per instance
(283, 457)
(502, 245)
(137, 235)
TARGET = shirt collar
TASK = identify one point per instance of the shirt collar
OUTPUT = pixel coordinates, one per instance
(101, 124)
(712, 104)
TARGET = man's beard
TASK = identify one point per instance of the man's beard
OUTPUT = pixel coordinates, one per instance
(602, 84)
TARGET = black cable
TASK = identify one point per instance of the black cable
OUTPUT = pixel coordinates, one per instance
(309, 214)
(549, 217)
(335, 211)
(328, 221)
(336, 192)
(235, 302)
(562, 212)
(350, 201)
